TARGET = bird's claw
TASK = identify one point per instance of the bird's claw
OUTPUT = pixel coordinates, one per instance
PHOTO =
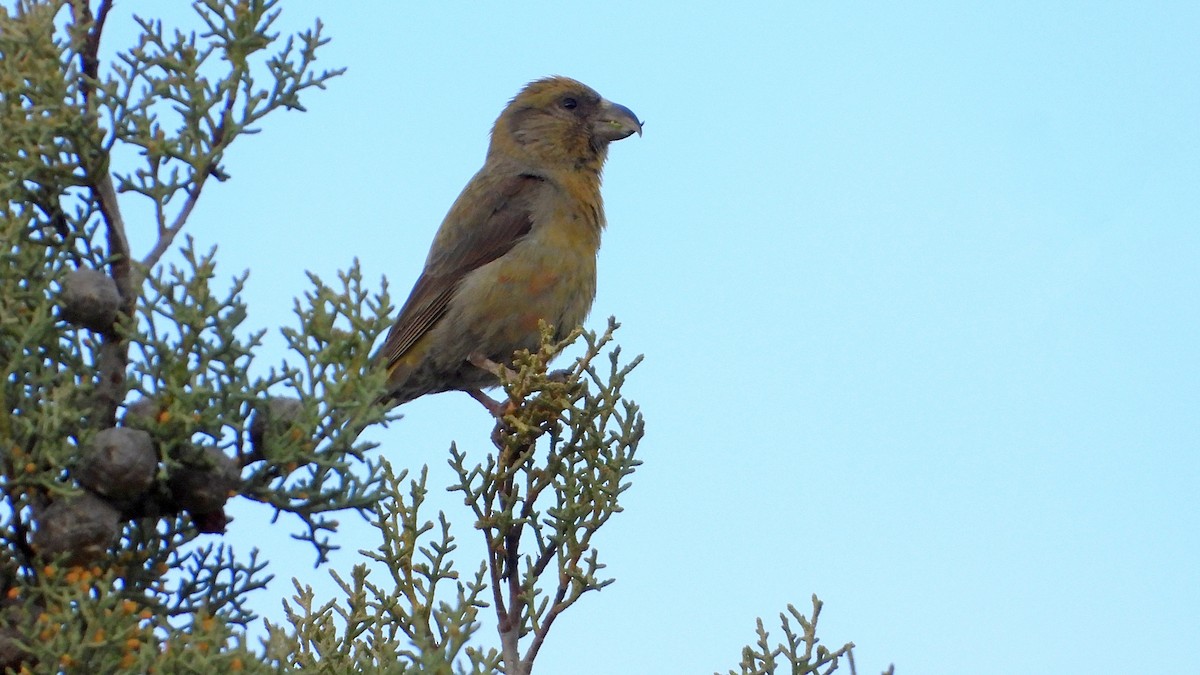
(498, 369)
(498, 409)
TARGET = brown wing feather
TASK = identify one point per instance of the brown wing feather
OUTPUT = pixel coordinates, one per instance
(500, 221)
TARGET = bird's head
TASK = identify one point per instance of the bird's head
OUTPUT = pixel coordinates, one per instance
(559, 122)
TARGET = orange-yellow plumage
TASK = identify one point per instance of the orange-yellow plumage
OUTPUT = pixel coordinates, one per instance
(518, 246)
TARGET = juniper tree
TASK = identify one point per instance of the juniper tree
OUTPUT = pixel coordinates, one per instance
(137, 403)
(134, 405)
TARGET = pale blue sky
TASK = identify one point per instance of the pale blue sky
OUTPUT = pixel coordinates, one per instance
(917, 286)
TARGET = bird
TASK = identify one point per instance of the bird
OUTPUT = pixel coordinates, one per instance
(517, 247)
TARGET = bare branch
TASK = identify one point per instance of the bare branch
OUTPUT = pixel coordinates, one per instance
(113, 354)
(166, 235)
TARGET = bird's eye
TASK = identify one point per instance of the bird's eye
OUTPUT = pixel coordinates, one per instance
(569, 103)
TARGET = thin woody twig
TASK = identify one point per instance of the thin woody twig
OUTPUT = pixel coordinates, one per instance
(552, 613)
(510, 616)
(166, 235)
(113, 354)
(89, 63)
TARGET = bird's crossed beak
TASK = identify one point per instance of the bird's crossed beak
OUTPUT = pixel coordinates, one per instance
(616, 122)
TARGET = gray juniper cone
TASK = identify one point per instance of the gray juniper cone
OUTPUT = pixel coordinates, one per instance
(203, 480)
(271, 420)
(83, 526)
(90, 299)
(119, 463)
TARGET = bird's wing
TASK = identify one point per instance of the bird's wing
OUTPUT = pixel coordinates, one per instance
(485, 229)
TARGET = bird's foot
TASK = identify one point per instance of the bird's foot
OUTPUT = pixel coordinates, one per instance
(498, 409)
(498, 369)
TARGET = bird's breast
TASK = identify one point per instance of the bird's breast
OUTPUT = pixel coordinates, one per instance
(549, 275)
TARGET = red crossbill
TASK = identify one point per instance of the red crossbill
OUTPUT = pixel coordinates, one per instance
(517, 247)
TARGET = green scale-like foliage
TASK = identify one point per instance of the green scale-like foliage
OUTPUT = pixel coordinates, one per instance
(97, 337)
